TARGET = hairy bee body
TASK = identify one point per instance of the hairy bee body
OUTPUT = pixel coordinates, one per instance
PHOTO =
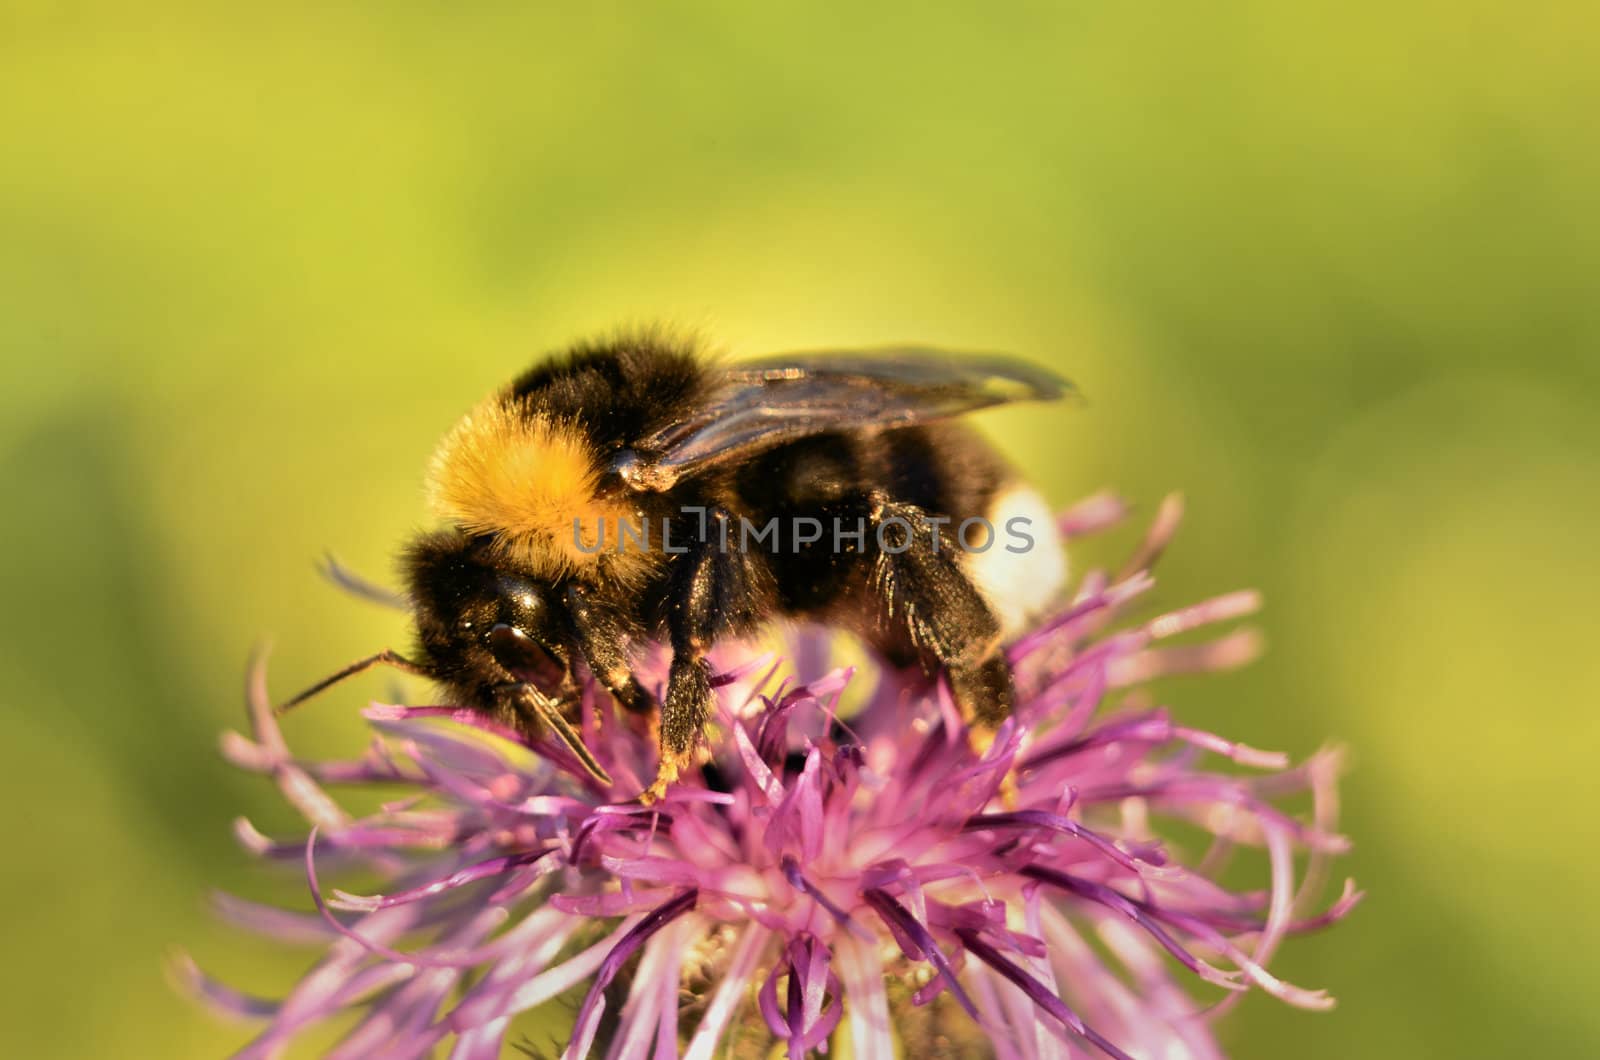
(632, 491)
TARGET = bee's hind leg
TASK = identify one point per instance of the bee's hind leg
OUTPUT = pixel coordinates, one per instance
(927, 596)
(985, 691)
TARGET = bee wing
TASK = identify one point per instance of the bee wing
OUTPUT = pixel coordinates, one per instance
(770, 401)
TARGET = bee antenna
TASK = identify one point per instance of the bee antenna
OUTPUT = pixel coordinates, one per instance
(386, 657)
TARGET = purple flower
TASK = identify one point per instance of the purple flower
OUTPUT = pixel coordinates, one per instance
(844, 864)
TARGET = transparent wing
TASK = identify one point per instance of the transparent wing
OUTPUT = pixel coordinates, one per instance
(767, 402)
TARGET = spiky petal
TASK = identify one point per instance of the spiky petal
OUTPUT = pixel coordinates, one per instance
(821, 857)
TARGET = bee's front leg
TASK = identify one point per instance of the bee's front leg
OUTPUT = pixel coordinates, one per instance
(717, 590)
(602, 642)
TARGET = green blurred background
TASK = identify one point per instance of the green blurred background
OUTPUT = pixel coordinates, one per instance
(1328, 268)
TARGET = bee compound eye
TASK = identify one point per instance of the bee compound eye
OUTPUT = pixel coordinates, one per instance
(521, 603)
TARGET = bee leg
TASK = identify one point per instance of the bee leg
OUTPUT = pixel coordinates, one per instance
(985, 691)
(714, 592)
(600, 641)
(985, 688)
(683, 716)
(928, 597)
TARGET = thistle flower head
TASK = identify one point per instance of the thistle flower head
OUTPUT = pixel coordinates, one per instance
(844, 863)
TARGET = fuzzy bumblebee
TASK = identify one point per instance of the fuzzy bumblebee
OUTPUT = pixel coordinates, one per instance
(634, 491)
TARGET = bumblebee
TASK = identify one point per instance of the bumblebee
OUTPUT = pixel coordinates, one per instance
(632, 491)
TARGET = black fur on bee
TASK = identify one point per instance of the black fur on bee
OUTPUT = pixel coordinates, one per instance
(634, 491)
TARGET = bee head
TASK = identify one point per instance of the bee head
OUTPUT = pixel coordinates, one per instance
(482, 625)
